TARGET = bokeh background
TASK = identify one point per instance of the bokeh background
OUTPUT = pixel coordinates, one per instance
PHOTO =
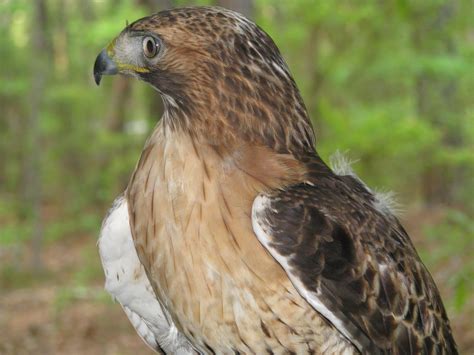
(388, 83)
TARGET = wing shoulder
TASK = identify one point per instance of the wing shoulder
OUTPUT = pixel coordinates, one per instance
(355, 265)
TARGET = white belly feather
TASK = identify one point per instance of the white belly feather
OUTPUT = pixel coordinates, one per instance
(127, 282)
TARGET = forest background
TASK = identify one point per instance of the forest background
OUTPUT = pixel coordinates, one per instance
(388, 83)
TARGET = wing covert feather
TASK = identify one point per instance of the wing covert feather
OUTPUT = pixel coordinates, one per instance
(355, 265)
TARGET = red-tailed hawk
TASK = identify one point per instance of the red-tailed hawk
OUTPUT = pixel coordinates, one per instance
(233, 236)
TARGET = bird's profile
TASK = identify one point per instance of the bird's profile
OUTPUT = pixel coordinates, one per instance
(233, 236)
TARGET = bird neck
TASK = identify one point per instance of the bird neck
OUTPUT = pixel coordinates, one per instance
(270, 116)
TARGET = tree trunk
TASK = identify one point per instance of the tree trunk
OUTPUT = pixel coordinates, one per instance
(87, 10)
(437, 98)
(115, 119)
(245, 7)
(156, 5)
(32, 168)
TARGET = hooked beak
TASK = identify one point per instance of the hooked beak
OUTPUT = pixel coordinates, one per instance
(104, 65)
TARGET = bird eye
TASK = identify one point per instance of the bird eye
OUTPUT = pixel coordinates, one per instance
(150, 47)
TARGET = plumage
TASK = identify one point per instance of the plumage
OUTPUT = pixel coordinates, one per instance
(245, 240)
(354, 264)
(126, 281)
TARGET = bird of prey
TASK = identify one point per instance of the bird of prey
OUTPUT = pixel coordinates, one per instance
(233, 236)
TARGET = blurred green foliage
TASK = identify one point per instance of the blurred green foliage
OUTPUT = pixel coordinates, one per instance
(389, 82)
(455, 233)
(360, 64)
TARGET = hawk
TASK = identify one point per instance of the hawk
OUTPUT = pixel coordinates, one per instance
(233, 236)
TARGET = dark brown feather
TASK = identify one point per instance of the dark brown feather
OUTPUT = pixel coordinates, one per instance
(360, 262)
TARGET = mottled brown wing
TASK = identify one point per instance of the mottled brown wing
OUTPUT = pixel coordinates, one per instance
(355, 265)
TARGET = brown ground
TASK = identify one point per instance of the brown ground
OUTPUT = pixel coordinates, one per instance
(66, 311)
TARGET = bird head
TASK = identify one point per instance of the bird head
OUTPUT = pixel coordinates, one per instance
(215, 70)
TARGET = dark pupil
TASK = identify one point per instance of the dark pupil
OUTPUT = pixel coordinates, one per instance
(150, 46)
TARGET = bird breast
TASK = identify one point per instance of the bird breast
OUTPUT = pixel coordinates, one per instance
(190, 207)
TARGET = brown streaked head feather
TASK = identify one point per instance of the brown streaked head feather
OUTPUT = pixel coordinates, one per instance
(222, 79)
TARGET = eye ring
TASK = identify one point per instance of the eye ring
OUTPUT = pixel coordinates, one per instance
(150, 47)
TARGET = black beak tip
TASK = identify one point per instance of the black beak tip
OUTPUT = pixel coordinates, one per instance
(103, 65)
(97, 78)
(99, 67)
